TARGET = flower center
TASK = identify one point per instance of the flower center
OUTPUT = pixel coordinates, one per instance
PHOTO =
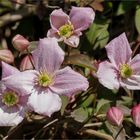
(44, 79)
(66, 30)
(125, 71)
(10, 98)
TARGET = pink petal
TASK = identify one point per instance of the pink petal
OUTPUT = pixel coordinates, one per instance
(69, 82)
(81, 18)
(107, 75)
(8, 70)
(73, 41)
(26, 63)
(22, 82)
(58, 18)
(132, 83)
(45, 103)
(12, 118)
(48, 55)
(135, 64)
(53, 33)
(6, 56)
(118, 50)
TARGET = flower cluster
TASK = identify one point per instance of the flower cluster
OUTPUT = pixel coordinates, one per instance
(41, 81)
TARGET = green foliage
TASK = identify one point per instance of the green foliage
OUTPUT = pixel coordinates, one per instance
(102, 106)
(137, 19)
(98, 35)
(80, 114)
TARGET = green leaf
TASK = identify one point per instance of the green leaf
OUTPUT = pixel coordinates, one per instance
(102, 39)
(115, 129)
(125, 6)
(98, 34)
(88, 101)
(80, 114)
(65, 101)
(102, 106)
(120, 10)
(137, 133)
(137, 19)
(137, 138)
(80, 60)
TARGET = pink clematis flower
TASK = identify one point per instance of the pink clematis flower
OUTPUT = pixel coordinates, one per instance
(121, 70)
(135, 114)
(12, 100)
(47, 82)
(20, 43)
(115, 116)
(68, 28)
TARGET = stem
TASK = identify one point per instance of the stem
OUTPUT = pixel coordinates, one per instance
(128, 92)
(118, 133)
(135, 49)
(48, 124)
(93, 124)
(98, 134)
(28, 53)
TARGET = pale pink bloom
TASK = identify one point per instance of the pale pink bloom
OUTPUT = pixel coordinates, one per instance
(20, 43)
(68, 28)
(6, 56)
(12, 100)
(115, 116)
(26, 63)
(47, 82)
(120, 70)
(135, 113)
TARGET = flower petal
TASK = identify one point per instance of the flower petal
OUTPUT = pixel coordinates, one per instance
(69, 82)
(132, 83)
(135, 64)
(53, 33)
(6, 56)
(107, 75)
(118, 50)
(58, 18)
(73, 41)
(81, 18)
(8, 70)
(22, 82)
(12, 118)
(45, 103)
(48, 55)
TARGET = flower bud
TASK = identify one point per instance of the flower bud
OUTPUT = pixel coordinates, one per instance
(26, 63)
(20, 43)
(6, 56)
(135, 113)
(115, 116)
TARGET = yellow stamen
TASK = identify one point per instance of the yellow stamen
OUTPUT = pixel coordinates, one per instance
(125, 71)
(10, 98)
(44, 79)
(66, 30)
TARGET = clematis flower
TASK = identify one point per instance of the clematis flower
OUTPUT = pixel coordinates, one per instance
(68, 28)
(135, 114)
(20, 43)
(121, 69)
(115, 116)
(12, 101)
(47, 82)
